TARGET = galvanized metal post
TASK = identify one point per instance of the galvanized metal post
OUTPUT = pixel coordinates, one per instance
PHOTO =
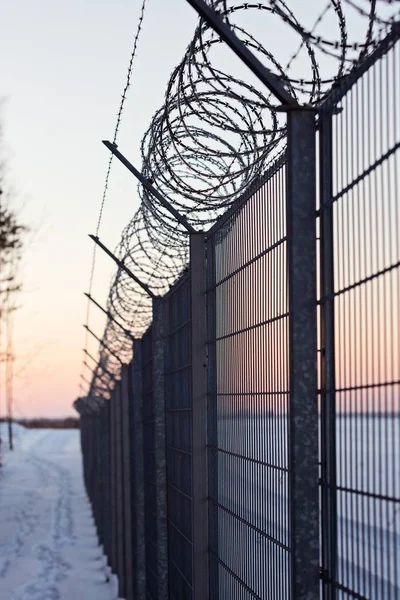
(83, 444)
(199, 416)
(328, 384)
(136, 460)
(105, 442)
(120, 493)
(95, 471)
(127, 476)
(212, 430)
(113, 485)
(160, 448)
(91, 472)
(99, 483)
(108, 484)
(303, 411)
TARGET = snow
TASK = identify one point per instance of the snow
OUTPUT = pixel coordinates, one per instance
(48, 544)
(368, 526)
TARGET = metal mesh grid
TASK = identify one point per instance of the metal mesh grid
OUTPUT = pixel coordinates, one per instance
(178, 401)
(361, 495)
(149, 467)
(358, 227)
(249, 397)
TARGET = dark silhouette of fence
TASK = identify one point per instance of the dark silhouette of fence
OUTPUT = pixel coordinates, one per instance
(250, 449)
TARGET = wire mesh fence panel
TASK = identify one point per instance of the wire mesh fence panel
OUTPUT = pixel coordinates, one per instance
(149, 466)
(360, 294)
(262, 533)
(178, 404)
(249, 395)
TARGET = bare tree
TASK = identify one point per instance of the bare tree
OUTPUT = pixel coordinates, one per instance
(11, 236)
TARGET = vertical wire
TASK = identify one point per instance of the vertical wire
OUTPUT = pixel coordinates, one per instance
(373, 191)
(396, 128)
(368, 336)
(356, 319)
(362, 307)
(345, 275)
(382, 342)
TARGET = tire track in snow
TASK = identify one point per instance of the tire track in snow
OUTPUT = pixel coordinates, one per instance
(53, 568)
(26, 520)
(48, 540)
(62, 527)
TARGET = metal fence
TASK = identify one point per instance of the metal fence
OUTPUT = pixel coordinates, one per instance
(250, 450)
(359, 299)
(179, 434)
(250, 394)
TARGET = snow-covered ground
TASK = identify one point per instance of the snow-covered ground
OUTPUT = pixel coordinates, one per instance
(48, 544)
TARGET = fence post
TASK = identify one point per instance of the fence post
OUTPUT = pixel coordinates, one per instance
(160, 448)
(104, 439)
(302, 352)
(96, 471)
(212, 422)
(120, 492)
(99, 476)
(113, 485)
(127, 476)
(328, 384)
(83, 430)
(136, 460)
(107, 484)
(199, 416)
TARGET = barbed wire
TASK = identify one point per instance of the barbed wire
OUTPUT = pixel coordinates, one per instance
(109, 166)
(217, 132)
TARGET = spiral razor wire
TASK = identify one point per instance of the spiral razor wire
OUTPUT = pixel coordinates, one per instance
(217, 131)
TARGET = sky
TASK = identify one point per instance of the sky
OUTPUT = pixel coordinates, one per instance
(62, 72)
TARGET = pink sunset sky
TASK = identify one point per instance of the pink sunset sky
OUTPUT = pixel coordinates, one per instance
(61, 79)
(62, 74)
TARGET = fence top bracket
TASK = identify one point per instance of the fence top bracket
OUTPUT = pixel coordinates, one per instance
(110, 316)
(102, 343)
(123, 267)
(149, 186)
(270, 80)
(296, 107)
